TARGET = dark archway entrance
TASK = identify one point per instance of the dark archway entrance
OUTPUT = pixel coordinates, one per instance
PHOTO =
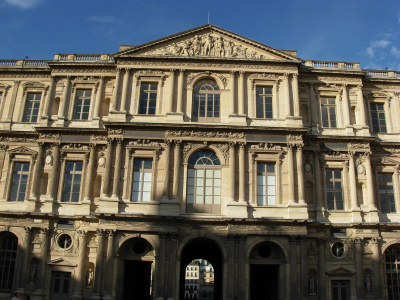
(207, 249)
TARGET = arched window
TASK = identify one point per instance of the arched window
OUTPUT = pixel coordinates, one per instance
(204, 183)
(392, 261)
(8, 256)
(206, 102)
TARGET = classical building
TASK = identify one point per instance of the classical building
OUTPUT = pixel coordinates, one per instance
(118, 170)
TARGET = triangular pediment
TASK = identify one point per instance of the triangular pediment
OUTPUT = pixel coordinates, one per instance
(340, 271)
(385, 161)
(62, 261)
(22, 150)
(208, 41)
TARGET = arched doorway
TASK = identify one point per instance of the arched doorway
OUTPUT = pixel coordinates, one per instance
(207, 252)
(392, 267)
(137, 264)
(267, 272)
(8, 258)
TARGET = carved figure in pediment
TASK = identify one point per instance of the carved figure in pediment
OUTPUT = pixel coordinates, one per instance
(176, 49)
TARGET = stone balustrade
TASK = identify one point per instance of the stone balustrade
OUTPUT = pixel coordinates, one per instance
(36, 63)
(84, 57)
(332, 65)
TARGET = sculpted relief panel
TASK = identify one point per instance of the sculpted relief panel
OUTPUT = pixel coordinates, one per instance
(210, 45)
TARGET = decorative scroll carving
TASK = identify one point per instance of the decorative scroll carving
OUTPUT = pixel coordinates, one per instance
(224, 148)
(49, 136)
(216, 134)
(192, 76)
(141, 142)
(266, 146)
(75, 147)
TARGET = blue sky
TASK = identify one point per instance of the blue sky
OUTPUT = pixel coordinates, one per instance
(362, 31)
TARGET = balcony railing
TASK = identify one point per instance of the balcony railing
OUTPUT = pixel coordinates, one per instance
(383, 73)
(24, 63)
(317, 64)
(84, 57)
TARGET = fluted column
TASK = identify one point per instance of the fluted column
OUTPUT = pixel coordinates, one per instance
(52, 186)
(321, 269)
(232, 170)
(89, 173)
(293, 267)
(231, 265)
(172, 91)
(314, 106)
(12, 101)
(177, 163)
(116, 90)
(296, 101)
(172, 279)
(99, 96)
(345, 106)
(317, 171)
(359, 268)
(353, 183)
(117, 168)
(370, 182)
(242, 267)
(303, 267)
(232, 92)
(241, 93)
(36, 173)
(98, 275)
(180, 91)
(166, 168)
(361, 106)
(44, 237)
(107, 173)
(242, 172)
(161, 262)
(376, 259)
(80, 273)
(300, 174)
(25, 258)
(49, 97)
(109, 265)
(63, 106)
(125, 90)
(290, 170)
(287, 95)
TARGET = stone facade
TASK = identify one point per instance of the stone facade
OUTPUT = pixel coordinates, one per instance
(118, 170)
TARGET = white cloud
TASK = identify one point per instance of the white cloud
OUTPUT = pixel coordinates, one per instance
(25, 4)
(395, 51)
(102, 19)
(370, 52)
(380, 44)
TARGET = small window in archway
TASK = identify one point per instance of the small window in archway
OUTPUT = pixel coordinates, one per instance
(206, 102)
(201, 280)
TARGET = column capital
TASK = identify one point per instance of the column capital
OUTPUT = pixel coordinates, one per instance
(295, 75)
(168, 142)
(45, 231)
(101, 232)
(177, 143)
(82, 234)
(357, 241)
(111, 233)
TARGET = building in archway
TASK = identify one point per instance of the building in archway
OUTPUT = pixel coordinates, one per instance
(118, 170)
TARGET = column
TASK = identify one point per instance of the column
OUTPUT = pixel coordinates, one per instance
(63, 105)
(241, 93)
(287, 95)
(303, 267)
(242, 172)
(321, 269)
(314, 106)
(107, 173)
(98, 275)
(80, 274)
(108, 291)
(360, 101)
(13, 99)
(232, 170)
(89, 173)
(44, 235)
(177, 163)
(125, 91)
(232, 93)
(293, 267)
(99, 96)
(52, 185)
(37, 173)
(345, 106)
(376, 258)
(166, 168)
(117, 168)
(290, 170)
(318, 186)
(241, 266)
(49, 97)
(180, 91)
(116, 90)
(353, 182)
(25, 258)
(161, 266)
(172, 91)
(172, 279)
(300, 174)
(296, 101)
(370, 181)
(230, 261)
(359, 268)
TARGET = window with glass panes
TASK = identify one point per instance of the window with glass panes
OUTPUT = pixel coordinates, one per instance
(392, 261)
(1, 96)
(82, 104)
(386, 193)
(206, 102)
(328, 112)
(19, 181)
(148, 98)
(32, 107)
(378, 117)
(334, 189)
(142, 176)
(204, 183)
(8, 257)
(72, 181)
(266, 184)
(264, 102)
(340, 289)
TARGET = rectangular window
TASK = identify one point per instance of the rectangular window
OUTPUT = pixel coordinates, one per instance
(72, 181)
(334, 189)
(142, 177)
(386, 193)
(264, 102)
(148, 98)
(328, 112)
(378, 117)
(82, 104)
(266, 184)
(32, 107)
(19, 181)
(340, 290)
